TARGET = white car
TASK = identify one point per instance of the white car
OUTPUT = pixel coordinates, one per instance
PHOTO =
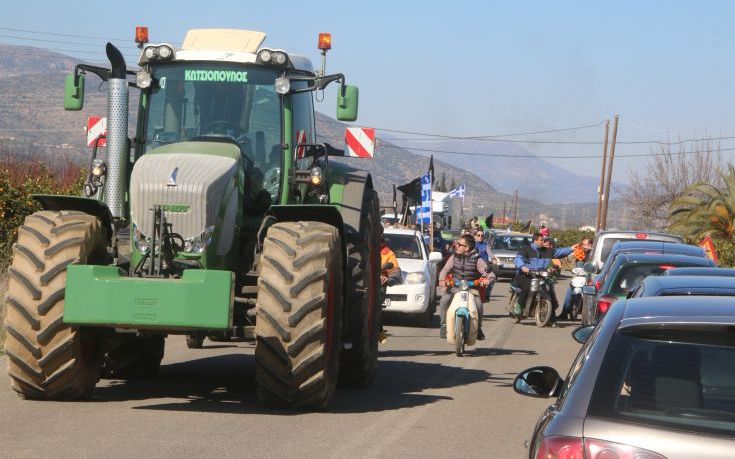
(416, 294)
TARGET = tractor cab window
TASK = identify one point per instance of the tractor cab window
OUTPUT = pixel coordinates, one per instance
(235, 103)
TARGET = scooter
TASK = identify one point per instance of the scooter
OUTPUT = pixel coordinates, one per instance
(462, 331)
(575, 301)
(540, 302)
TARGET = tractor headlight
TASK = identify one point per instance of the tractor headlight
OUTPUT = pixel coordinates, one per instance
(415, 278)
(161, 52)
(282, 85)
(264, 55)
(199, 243)
(98, 169)
(464, 285)
(143, 79)
(272, 57)
(165, 52)
(316, 175)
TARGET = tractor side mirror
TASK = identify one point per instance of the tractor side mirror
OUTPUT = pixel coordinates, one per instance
(74, 92)
(347, 99)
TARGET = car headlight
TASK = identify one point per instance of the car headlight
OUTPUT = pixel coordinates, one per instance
(415, 278)
(199, 243)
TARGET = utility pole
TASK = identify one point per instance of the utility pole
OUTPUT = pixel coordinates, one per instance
(515, 206)
(603, 221)
(505, 207)
(601, 188)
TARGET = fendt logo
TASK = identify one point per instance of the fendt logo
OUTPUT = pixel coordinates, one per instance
(172, 178)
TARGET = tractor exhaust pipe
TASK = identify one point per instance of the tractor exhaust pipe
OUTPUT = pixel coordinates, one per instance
(118, 150)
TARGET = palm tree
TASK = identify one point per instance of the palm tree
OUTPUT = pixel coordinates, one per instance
(706, 208)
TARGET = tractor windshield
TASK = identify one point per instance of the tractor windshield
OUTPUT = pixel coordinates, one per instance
(203, 100)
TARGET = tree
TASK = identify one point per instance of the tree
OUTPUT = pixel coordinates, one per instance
(666, 177)
(442, 184)
(453, 184)
(706, 208)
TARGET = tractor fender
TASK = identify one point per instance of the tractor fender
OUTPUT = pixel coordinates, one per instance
(89, 206)
(350, 204)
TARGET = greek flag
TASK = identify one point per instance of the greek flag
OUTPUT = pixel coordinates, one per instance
(424, 212)
(457, 192)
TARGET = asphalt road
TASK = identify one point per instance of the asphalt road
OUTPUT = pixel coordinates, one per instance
(425, 402)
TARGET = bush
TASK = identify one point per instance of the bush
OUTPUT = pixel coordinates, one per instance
(18, 182)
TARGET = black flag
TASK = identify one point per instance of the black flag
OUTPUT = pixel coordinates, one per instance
(526, 227)
(412, 190)
(431, 168)
(489, 221)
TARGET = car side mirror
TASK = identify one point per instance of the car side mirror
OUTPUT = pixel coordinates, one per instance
(74, 92)
(590, 268)
(347, 101)
(589, 290)
(435, 257)
(542, 382)
(582, 334)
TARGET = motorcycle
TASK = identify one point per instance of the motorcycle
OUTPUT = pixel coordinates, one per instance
(462, 331)
(575, 302)
(540, 302)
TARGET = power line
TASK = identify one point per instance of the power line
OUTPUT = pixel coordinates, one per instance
(481, 137)
(68, 43)
(62, 34)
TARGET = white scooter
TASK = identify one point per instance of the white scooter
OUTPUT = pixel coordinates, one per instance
(463, 315)
(575, 301)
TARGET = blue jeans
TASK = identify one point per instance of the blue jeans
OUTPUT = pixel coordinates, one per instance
(567, 301)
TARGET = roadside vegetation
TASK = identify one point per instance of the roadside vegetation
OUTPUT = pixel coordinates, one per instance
(19, 180)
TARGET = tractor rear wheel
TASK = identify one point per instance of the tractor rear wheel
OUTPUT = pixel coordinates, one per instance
(358, 364)
(137, 357)
(48, 359)
(299, 315)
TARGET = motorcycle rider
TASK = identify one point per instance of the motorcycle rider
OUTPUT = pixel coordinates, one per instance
(581, 255)
(465, 263)
(533, 257)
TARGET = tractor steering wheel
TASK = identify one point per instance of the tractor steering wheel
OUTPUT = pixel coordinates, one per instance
(211, 128)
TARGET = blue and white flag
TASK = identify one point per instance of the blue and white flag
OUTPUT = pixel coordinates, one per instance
(424, 212)
(457, 192)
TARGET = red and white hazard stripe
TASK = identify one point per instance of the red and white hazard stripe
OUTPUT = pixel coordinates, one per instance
(300, 140)
(360, 142)
(96, 127)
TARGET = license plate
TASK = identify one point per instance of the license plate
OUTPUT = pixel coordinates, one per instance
(386, 303)
(509, 265)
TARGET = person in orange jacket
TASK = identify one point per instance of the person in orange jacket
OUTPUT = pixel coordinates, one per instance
(390, 274)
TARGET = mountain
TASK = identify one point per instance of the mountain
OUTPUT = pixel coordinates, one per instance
(34, 125)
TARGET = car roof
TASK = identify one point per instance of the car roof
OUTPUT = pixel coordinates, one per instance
(647, 233)
(694, 282)
(663, 246)
(700, 271)
(407, 232)
(630, 258)
(511, 234)
(681, 310)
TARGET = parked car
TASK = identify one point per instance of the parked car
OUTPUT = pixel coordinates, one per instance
(729, 272)
(605, 240)
(648, 248)
(505, 246)
(629, 270)
(685, 285)
(416, 294)
(655, 379)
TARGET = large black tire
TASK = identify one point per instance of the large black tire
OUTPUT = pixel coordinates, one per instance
(358, 364)
(137, 357)
(544, 311)
(299, 315)
(48, 359)
(195, 341)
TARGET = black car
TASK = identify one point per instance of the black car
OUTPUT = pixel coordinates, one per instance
(626, 272)
(685, 285)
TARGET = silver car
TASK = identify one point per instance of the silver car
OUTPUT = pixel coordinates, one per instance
(504, 247)
(654, 379)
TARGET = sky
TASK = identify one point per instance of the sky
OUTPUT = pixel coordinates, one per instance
(468, 68)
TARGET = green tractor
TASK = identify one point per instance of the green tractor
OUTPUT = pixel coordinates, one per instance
(240, 228)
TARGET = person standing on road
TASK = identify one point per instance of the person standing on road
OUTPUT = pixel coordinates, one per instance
(466, 264)
(530, 258)
(390, 274)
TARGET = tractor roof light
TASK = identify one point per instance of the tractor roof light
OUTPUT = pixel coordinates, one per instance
(141, 35)
(325, 41)
(162, 52)
(272, 57)
(143, 79)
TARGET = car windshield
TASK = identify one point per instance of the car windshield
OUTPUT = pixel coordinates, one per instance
(217, 101)
(510, 242)
(404, 245)
(680, 379)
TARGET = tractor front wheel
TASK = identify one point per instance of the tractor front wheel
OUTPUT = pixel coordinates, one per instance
(299, 315)
(48, 359)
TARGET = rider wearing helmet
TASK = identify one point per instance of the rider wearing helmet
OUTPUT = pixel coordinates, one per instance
(465, 263)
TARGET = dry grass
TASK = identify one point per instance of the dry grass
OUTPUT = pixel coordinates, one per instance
(3, 289)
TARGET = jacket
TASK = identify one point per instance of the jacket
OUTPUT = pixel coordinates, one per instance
(534, 258)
